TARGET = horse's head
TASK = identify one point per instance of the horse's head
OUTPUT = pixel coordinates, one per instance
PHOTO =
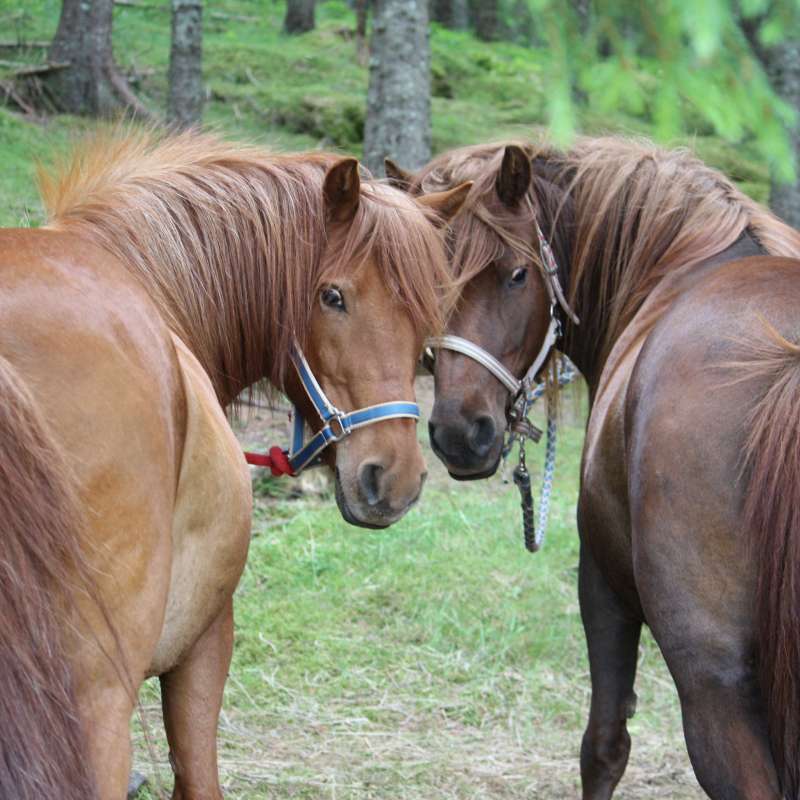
(504, 307)
(380, 293)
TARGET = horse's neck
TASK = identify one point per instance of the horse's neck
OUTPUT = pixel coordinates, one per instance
(236, 312)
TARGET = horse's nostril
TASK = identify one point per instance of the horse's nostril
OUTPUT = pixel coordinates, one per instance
(369, 477)
(440, 437)
(481, 435)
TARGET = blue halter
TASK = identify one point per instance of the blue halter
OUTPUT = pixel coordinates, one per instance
(336, 424)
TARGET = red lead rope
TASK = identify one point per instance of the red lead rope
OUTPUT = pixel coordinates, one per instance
(277, 461)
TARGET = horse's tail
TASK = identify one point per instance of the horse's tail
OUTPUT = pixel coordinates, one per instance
(772, 514)
(42, 742)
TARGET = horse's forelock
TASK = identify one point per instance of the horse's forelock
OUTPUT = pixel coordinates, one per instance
(400, 236)
(480, 234)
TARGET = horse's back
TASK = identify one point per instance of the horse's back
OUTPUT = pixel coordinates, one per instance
(691, 389)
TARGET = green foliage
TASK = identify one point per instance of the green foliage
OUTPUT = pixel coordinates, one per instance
(678, 63)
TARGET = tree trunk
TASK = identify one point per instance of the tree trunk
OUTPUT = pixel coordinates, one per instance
(299, 16)
(487, 20)
(582, 9)
(83, 41)
(362, 13)
(450, 13)
(398, 123)
(186, 64)
(362, 17)
(460, 15)
(439, 11)
(783, 68)
(524, 28)
(781, 62)
(88, 83)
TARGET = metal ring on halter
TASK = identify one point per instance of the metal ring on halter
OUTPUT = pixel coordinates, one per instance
(338, 418)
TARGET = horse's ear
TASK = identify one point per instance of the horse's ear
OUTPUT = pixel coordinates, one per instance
(342, 190)
(446, 204)
(397, 176)
(514, 177)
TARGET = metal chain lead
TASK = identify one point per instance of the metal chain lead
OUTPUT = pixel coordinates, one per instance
(534, 534)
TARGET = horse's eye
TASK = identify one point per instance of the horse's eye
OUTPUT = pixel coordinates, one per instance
(332, 297)
(518, 277)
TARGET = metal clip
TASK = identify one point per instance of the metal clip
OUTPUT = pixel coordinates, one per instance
(526, 429)
(520, 426)
(429, 359)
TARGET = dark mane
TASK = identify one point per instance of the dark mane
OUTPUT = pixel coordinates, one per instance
(228, 240)
(640, 212)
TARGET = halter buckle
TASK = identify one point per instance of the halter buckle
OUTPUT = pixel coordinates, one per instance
(344, 430)
(524, 428)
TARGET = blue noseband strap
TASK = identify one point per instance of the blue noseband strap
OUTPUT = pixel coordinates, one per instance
(336, 424)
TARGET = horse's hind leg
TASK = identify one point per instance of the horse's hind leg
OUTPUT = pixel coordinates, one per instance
(192, 699)
(107, 711)
(723, 715)
(612, 636)
(698, 602)
(727, 742)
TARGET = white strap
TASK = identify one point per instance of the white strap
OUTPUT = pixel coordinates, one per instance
(473, 351)
(467, 348)
(549, 340)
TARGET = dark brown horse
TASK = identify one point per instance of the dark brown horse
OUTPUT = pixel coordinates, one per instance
(688, 295)
(173, 273)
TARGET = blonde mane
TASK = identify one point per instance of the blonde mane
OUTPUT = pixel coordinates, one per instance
(637, 213)
(229, 239)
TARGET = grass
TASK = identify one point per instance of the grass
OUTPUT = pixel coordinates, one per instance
(437, 659)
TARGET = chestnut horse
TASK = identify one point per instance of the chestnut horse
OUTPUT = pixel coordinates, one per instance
(173, 273)
(688, 296)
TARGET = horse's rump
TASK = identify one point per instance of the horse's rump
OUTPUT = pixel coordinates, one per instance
(749, 353)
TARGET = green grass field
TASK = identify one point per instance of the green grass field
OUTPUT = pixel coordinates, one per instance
(437, 659)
